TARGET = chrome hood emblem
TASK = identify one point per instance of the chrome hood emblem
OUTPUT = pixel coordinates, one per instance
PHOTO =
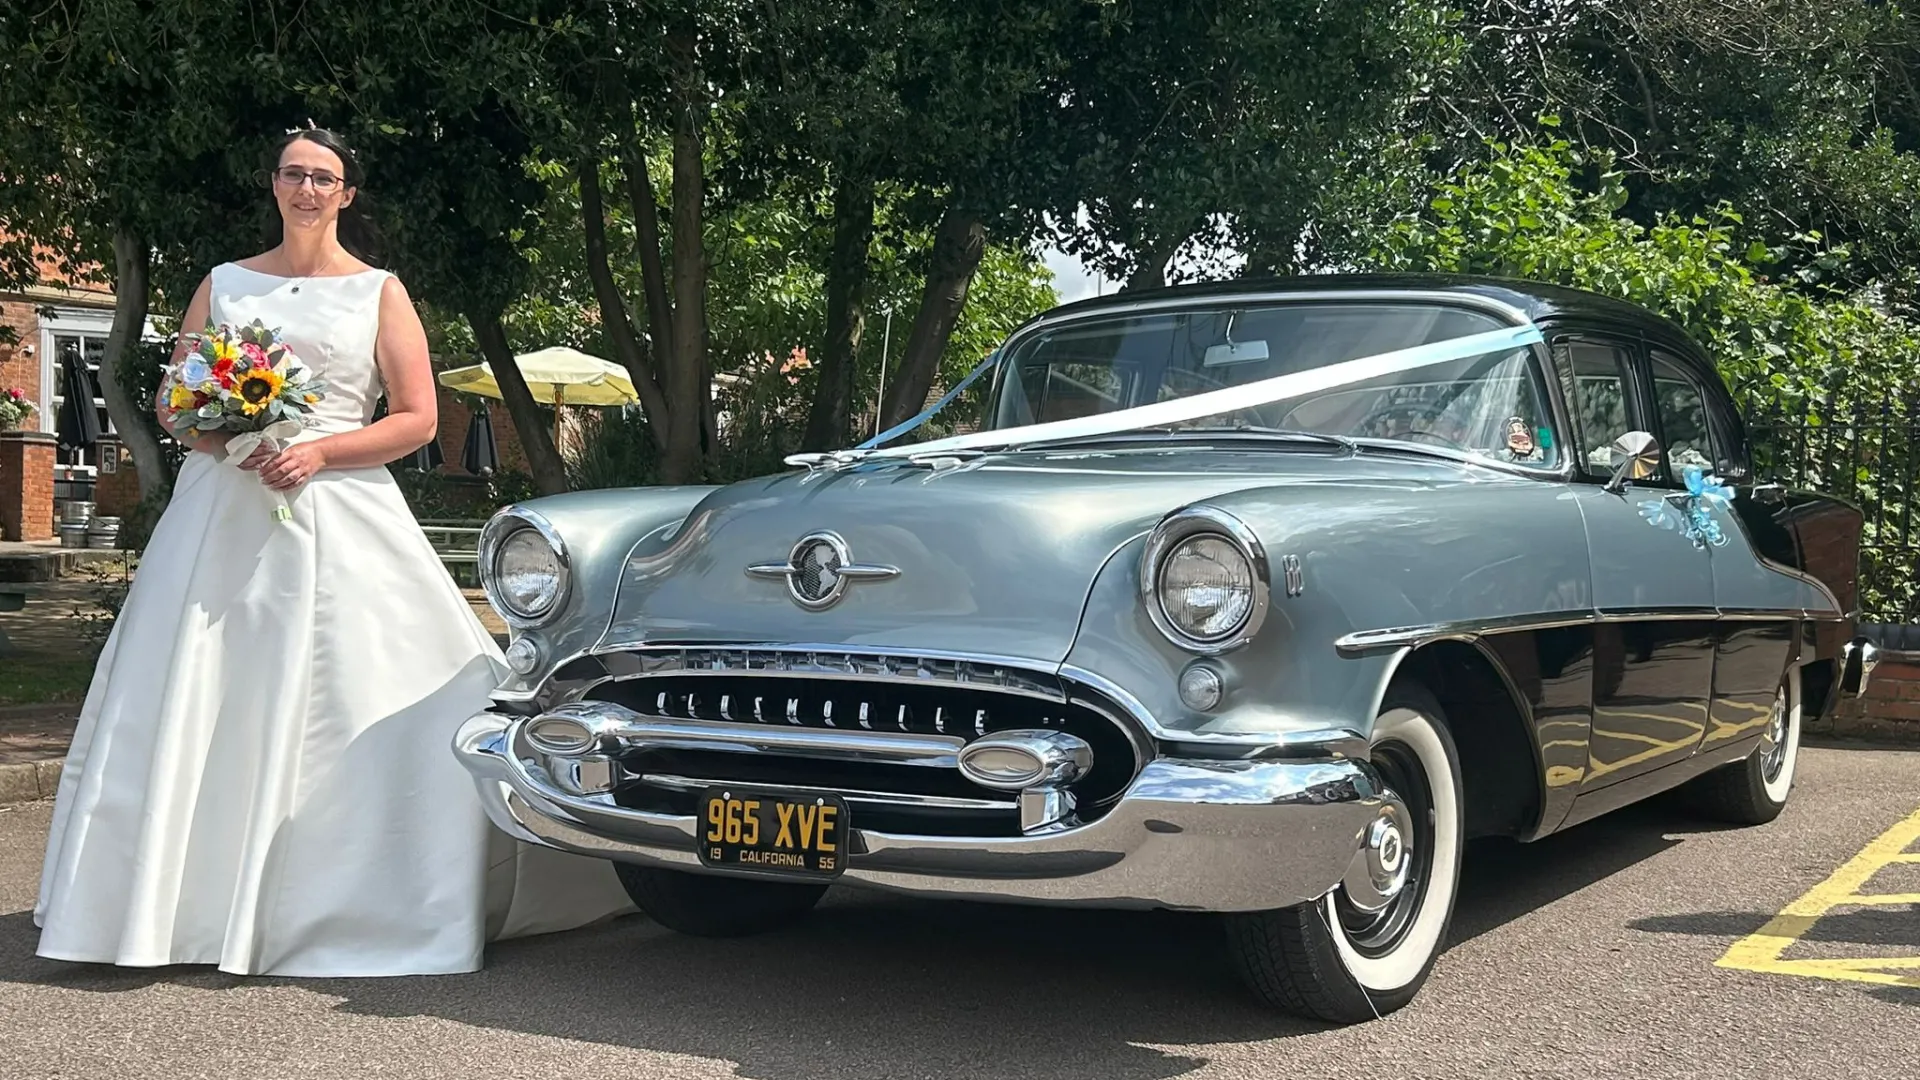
(818, 570)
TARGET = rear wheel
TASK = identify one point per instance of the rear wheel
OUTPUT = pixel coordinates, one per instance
(1364, 950)
(1754, 791)
(705, 905)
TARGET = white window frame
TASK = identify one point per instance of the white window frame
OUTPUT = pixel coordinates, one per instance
(56, 320)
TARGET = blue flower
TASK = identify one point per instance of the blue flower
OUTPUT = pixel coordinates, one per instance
(195, 373)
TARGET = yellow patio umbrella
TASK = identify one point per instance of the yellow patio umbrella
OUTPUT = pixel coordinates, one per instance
(561, 375)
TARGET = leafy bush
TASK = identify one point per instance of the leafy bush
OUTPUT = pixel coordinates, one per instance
(1830, 382)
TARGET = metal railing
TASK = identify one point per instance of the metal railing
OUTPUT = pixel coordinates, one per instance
(1867, 453)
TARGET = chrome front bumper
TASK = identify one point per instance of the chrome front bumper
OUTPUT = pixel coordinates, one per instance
(1188, 834)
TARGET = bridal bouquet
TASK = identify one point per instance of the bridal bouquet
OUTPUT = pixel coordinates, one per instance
(245, 381)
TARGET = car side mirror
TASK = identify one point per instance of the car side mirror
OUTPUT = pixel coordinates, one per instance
(1638, 453)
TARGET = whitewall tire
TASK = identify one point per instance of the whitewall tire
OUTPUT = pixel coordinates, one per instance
(1333, 959)
(1753, 791)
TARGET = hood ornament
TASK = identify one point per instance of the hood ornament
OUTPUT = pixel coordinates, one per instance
(818, 569)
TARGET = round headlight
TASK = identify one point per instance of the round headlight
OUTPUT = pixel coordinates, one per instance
(1204, 580)
(525, 567)
(1206, 587)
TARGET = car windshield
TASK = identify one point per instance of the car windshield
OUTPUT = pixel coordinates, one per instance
(1490, 405)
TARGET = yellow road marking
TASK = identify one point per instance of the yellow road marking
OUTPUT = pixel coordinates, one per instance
(1765, 949)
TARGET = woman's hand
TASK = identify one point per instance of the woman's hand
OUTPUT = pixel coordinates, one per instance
(293, 466)
(262, 454)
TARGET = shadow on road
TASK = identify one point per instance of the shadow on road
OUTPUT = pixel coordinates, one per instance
(876, 986)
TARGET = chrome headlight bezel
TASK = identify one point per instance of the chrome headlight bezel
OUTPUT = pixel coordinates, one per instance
(1180, 527)
(502, 527)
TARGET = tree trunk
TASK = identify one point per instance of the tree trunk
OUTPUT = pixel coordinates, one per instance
(828, 421)
(549, 474)
(132, 259)
(646, 236)
(686, 387)
(1152, 271)
(613, 307)
(957, 248)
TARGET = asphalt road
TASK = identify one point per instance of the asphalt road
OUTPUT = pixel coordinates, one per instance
(1588, 954)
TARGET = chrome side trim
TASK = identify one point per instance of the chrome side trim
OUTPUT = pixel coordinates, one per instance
(1364, 641)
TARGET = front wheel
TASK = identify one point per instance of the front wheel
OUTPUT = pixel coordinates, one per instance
(705, 905)
(1346, 958)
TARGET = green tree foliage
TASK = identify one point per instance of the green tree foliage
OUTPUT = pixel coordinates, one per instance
(1833, 379)
(1804, 113)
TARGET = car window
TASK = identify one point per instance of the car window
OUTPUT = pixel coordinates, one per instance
(1600, 408)
(1492, 405)
(1682, 406)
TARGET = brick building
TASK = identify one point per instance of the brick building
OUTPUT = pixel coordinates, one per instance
(44, 324)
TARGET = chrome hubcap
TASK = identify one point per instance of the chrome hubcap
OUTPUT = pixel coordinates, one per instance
(1380, 868)
(1383, 887)
(1776, 755)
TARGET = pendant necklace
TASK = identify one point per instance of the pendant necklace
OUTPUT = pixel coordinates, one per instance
(324, 267)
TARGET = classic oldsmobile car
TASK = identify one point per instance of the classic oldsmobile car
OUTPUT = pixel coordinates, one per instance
(1256, 600)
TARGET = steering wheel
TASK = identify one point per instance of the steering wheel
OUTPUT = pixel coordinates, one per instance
(1413, 412)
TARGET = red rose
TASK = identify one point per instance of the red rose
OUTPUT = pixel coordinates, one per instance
(224, 372)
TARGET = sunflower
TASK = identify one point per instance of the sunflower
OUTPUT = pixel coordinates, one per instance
(256, 389)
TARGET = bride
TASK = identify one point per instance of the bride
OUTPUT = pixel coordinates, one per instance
(260, 778)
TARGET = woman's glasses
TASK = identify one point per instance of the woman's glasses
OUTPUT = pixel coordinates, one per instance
(293, 177)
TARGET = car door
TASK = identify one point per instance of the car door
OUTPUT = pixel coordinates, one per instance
(1752, 548)
(1653, 588)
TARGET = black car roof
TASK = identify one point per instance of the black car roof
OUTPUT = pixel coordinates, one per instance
(1537, 300)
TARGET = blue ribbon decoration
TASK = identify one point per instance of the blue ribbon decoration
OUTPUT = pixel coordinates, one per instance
(926, 414)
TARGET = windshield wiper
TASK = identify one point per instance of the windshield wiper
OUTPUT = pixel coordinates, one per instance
(1259, 431)
(1217, 433)
(1134, 435)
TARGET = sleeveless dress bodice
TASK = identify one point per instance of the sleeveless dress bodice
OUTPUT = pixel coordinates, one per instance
(331, 324)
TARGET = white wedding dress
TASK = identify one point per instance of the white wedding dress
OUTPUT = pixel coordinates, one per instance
(262, 776)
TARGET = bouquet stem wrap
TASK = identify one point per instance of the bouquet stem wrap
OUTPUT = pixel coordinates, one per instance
(274, 437)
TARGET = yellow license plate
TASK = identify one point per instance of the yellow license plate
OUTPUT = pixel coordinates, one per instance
(773, 832)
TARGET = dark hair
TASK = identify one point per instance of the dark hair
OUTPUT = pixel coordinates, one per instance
(357, 232)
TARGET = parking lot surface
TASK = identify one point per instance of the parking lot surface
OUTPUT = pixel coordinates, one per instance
(1643, 944)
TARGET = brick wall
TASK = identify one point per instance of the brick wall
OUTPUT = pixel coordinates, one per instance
(1891, 705)
(26, 493)
(20, 362)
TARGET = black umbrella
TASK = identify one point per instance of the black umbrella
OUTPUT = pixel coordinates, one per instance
(427, 458)
(79, 421)
(481, 457)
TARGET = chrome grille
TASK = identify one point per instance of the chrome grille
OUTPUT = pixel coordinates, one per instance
(956, 700)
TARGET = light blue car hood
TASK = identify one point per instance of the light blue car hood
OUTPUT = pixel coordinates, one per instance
(995, 558)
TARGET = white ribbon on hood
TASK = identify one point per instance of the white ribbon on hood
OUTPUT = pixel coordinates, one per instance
(1232, 398)
(275, 437)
